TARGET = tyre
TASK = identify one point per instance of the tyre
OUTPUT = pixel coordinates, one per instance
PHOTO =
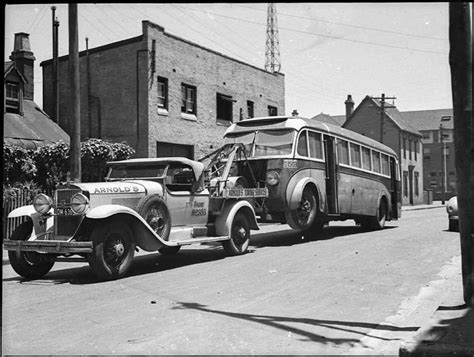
(153, 209)
(30, 265)
(378, 221)
(113, 249)
(304, 216)
(239, 235)
(170, 250)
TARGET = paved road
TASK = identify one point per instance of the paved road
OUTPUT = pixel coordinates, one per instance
(346, 292)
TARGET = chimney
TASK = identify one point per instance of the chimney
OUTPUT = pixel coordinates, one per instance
(24, 62)
(349, 106)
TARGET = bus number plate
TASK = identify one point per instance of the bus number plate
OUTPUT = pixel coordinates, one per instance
(289, 164)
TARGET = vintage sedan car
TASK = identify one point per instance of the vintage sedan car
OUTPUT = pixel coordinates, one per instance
(155, 204)
(453, 215)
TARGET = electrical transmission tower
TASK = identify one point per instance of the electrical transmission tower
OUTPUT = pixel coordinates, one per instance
(272, 48)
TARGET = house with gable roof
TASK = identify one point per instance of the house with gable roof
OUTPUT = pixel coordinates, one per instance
(25, 124)
(391, 128)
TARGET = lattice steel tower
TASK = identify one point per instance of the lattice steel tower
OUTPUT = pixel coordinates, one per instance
(272, 48)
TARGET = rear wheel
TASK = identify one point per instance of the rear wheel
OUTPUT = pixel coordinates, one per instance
(30, 265)
(378, 221)
(239, 235)
(113, 250)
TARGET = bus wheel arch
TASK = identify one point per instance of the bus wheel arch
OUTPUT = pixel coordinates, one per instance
(304, 206)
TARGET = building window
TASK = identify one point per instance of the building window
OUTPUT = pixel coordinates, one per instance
(188, 99)
(224, 108)
(272, 111)
(415, 183)
(404, 148)
(409, 148)
(426, 153)
(427, 137)
(163, 93)
(250, 109)
(416, 149)
(12, 99)
(165, 149)
(405, 183)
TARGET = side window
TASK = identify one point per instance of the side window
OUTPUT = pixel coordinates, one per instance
(224, 108)
(366, 164)
(188, 99)
(163, 92)
(250, 109)
(315, 145)
(355, 155)
(343, 152)
(385, 166)
(376, 161)
(272, 111)
(303, 144)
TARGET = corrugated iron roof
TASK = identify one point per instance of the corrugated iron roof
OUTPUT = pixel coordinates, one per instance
(32, 129)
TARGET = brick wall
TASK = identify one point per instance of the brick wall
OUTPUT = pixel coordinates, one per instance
(126, 114)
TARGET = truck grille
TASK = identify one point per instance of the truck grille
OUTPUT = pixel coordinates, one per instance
(66, 221)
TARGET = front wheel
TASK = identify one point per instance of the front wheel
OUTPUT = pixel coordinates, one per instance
(113, 250)
(304, 215)
(30, 265)
(239, 236)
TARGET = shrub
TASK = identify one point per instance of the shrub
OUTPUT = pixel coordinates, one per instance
(18, 165)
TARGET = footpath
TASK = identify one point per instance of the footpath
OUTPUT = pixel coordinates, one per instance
(448, 331)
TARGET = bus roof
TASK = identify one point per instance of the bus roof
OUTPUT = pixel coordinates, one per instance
(298, 123)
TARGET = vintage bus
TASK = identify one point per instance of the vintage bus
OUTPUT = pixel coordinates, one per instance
(317, 172)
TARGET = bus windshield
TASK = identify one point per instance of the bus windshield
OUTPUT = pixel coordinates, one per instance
(266, 142)
(274, 142)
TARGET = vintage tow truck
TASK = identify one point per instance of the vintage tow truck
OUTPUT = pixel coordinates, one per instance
(155, 204)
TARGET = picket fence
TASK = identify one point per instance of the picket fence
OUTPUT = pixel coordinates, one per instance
(20, 198)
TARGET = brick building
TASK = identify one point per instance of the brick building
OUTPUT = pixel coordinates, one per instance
(395, 131)
(439, 171)
(25, 124)
(163, 95)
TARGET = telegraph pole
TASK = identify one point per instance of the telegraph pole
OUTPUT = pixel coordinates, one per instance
(460, 61)
(75, 100)
(443, 164)
(55, 66)
(383, 105)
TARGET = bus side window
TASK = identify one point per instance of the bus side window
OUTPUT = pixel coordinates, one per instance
(355, 155)
(385, 166)
(315, 145)
(376, 161)
(366, 165)
(343, 152)
(303, 144)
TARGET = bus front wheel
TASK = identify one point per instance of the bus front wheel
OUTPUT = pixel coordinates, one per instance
(304, 215)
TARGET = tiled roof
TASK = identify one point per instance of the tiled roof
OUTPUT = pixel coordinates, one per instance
(326, 118)
(32, 129)
(398, 118)
(429, 119)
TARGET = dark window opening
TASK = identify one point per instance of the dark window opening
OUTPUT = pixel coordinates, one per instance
(164, 149)
(272, 111)
(250, 109)
(224, 108)
(12, 97)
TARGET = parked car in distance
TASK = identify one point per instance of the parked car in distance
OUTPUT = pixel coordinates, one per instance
(453, 215)
(156, 204)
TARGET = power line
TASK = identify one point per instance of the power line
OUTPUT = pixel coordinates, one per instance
(349, 25)
(328, 36)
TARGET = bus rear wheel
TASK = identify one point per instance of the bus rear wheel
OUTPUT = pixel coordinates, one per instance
(378, 221)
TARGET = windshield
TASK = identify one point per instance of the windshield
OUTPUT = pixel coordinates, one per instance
(129, 172)
(274, 142)
(245, 139)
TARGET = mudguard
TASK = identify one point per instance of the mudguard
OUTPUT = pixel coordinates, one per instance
(36, 218)
(224, 220)
(293, 197)
(144, 235)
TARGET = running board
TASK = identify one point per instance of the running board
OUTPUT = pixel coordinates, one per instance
(197, 240)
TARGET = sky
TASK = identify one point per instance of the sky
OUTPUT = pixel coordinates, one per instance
(327, 50)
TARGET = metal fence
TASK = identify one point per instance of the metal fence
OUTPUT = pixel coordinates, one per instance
(18, 198)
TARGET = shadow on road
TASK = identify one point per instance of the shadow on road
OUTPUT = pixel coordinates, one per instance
(289, 237)
(286, 324)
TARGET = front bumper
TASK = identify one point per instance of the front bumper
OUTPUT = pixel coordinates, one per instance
(49, 246)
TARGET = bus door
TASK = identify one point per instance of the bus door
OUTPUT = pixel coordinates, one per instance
(331, 174)
(395, 190)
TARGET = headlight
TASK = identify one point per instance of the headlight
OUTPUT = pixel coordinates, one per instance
(42, 203)
(79, 203)
(272, 178)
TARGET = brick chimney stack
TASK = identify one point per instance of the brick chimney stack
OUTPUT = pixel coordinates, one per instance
(349, 106)
(24, 61)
